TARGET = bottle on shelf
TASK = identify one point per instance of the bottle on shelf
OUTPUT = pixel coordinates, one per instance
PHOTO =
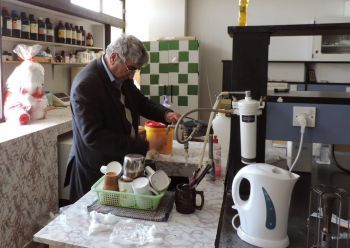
(25, 27)
(78, 41)
(33, 27)
(74, 34)
(16, 24)
(6, 22)
(49, 30)
(68, 33)
(41, 29)
(82, 31)
(89, 40)
(60, 33)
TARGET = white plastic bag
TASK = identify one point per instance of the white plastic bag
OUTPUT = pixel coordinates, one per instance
(25, 99)
(130, 232)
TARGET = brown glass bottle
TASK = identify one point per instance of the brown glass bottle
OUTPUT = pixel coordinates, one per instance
(25, 27)
(89, 40)
(49, 30)
(82, 36)
(68, 33)
(78, 41)
(33, 27)
(6, 22)
(41, 29)
(60, 33)
(74, 34)
(16, 25)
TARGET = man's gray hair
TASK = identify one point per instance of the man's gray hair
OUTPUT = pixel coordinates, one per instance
(129, 48)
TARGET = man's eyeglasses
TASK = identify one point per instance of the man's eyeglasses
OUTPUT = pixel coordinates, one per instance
(130, 69)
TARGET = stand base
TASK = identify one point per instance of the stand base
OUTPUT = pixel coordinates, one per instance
(263, 242)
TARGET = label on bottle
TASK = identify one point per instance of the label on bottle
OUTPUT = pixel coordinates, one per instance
(49, 32)
(74, 35)
(62, 33)
(79, 36)
(69, 34)
(16, 25)
(34, 28)
(42, 30)
(8, 24)
(25, 28)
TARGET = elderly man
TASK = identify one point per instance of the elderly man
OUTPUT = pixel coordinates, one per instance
(106, 106)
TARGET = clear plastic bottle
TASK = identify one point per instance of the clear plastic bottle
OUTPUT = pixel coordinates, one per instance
(217, 156)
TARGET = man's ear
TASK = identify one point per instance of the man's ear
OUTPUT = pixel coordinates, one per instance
(113, 58)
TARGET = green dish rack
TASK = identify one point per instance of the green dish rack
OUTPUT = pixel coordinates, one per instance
(125, 200)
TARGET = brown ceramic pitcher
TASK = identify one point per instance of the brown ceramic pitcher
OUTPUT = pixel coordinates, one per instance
(185, 199)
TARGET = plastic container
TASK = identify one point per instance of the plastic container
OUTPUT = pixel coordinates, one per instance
(242, 16)
(217, 156)
(157, 129)
(222, 129)
(123, 199)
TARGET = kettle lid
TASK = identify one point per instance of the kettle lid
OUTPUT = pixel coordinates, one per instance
(270, 171)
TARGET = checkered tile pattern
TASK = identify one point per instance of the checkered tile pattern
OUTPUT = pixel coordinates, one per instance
(172, 70)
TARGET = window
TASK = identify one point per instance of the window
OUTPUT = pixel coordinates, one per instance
(113, 8)
(93, 5)
(109, 7)
(115, 33)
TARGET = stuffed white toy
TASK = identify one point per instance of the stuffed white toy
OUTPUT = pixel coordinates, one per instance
(24, 98)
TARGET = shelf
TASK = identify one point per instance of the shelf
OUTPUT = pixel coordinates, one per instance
(51, 63)
(45, 43)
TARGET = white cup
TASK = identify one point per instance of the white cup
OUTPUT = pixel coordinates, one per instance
(141, 186)
(113, 166)
(159, 180)
(126, 200)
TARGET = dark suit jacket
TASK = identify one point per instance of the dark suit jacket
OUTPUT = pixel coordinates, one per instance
(100, 128)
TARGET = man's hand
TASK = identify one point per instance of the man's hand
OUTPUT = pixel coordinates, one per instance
(172, 117)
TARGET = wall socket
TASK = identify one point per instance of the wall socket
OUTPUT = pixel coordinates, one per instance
(310, 112)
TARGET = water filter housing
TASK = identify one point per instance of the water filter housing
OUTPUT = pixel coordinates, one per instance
(248, 109)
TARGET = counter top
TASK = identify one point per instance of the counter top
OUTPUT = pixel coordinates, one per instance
(54, 117)
(199, 229)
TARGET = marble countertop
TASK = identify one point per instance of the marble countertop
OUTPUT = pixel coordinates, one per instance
(54, 117)
(70, 228)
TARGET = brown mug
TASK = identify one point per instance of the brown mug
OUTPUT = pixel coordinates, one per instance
(111, 181)
(185, 199)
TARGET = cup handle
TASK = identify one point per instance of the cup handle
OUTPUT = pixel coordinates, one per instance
(103, 169)
(149, 171)
(201, 193)
(153, 191)
(233, 222)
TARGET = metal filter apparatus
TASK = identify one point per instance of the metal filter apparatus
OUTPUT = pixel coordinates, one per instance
(324, 227)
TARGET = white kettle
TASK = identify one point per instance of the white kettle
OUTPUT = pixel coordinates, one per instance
(264, 216)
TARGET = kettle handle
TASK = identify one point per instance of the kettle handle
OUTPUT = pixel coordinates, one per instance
(235, 190)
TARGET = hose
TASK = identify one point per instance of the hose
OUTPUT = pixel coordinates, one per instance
(337, 164)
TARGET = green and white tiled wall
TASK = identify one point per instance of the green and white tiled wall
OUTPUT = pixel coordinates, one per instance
(172, 70)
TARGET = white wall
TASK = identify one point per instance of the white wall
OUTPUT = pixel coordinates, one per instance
(154, 19)
(208, 21)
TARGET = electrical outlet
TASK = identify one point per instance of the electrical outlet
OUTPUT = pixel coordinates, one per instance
(310, 112)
